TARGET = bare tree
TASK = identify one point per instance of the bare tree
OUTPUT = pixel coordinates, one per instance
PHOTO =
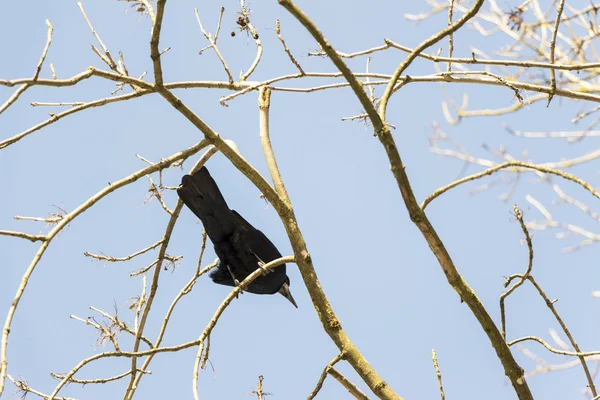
(548, 55)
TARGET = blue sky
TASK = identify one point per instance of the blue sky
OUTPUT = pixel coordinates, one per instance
(383, 282)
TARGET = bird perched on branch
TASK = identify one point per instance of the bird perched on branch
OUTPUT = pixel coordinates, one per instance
(241, 248)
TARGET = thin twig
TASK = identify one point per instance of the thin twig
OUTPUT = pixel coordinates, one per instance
(503, 296)
(155, 192)
(126, 258)
(578, 353)
(553, 350)
(321, 380)
(165, 163)
(23, 386)
(120, 324)
(97, 380)
(213, 42)
(450, 36)
(438, 373)
(22, 235)
(286, 49)
(259, 391)
(106, 332)
(509, 164)
(424, 45)
(56, 117)
(259, 47)
(107, 58)
(350, 387)
(552, 50)
(36, 75)
(53, 71)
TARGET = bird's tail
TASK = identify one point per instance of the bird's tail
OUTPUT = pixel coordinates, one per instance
(200, 193)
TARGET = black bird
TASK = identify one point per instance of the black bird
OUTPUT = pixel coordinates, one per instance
(241, 248)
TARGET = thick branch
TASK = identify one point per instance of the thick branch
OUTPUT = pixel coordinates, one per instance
(512, 370)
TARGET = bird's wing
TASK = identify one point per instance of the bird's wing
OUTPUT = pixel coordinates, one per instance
(242, 252)
(257, 241)
(200, 193)
(258, 248)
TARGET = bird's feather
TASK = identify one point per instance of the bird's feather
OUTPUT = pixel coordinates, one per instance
(241, 247)
(200, 193)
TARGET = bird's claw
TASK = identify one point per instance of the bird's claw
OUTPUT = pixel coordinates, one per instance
(237, 284)
(261, 267)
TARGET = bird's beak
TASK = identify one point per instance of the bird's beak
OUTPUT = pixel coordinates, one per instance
(285, 292)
